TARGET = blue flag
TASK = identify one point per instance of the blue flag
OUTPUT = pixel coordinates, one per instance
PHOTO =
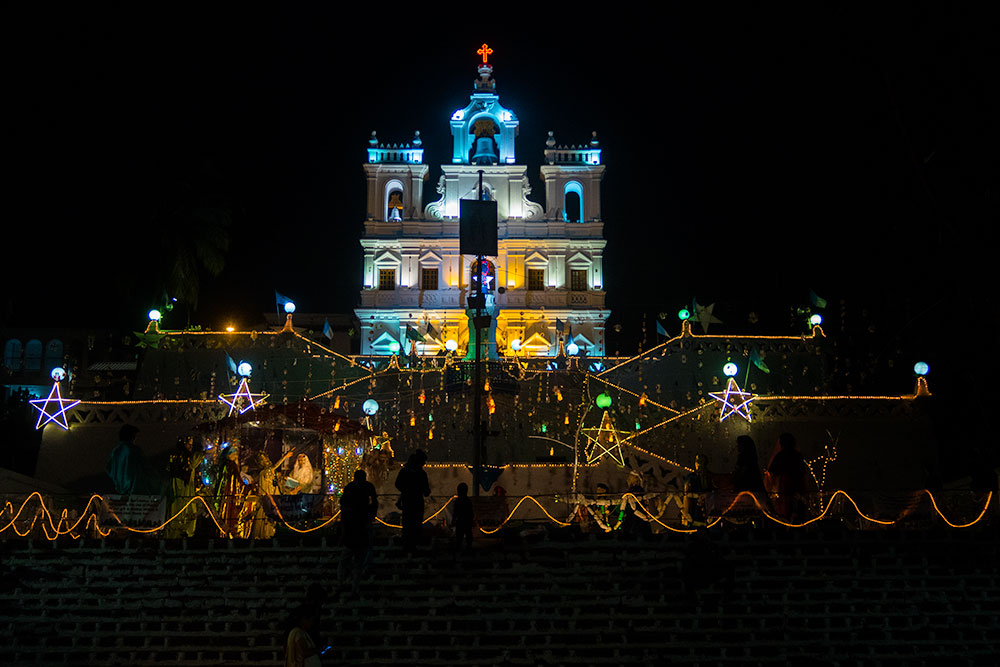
(757, 361)
(230, 364)
(280, 301)
(559, 325)
(816, 300)
(327, 329)
(660, 330)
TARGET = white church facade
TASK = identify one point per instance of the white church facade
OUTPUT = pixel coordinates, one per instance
(547, 279)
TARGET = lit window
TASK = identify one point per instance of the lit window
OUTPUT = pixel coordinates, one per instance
(429, 278)
(536, 279)
(578, 280)
(387, 279)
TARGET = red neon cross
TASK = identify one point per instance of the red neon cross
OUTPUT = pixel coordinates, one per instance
(484, 51)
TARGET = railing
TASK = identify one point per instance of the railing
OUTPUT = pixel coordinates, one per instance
(252, 516)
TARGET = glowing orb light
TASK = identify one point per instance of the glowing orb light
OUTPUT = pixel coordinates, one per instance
(59, 374)
(394, 347)
(359, 451)
(370, 406)
(815, 319)
(920, 368)
(451, 345)
(515, 344)
(603, 401)
(244, 369)
(572, 349)
(155, 315)
(730, 369)
(289, 307)
(683, 314)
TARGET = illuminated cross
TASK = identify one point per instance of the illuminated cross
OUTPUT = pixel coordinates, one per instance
(57, 413)
(484, 51)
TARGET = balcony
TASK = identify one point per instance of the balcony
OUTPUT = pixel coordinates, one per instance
(456, 298)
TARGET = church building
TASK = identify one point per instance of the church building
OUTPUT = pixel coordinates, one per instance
(545, 287)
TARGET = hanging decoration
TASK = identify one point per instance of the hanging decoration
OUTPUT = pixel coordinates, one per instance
(243, 400)
(53, 409)
(603, 441)
(734, 401)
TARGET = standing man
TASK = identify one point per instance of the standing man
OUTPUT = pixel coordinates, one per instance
(413, 488)
(126, 464)
(358, 507)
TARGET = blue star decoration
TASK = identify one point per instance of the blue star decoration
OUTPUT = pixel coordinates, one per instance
(734, 401)
(53, 409)
(242, 400)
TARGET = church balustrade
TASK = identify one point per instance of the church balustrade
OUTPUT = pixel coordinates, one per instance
(416, 298)
(550, 298)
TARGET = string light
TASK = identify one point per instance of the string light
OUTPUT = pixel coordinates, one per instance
(734, 401)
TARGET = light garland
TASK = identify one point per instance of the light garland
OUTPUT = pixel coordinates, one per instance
(55, 529)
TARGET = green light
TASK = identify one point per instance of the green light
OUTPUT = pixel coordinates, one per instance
(637, 427)
(603, 401)
(545, 428)
(394, 347)
(683, 314)
(430, 416)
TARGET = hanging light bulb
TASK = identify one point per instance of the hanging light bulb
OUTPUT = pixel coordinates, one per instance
(336, 403)
(566, 420)
(430, 434)
(492, 404)
(486, 386)
(558, 394)
(642, 399)
(413, 420)
(422, 397)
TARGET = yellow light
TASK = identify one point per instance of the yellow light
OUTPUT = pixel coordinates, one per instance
(230, 328)
(422, 397)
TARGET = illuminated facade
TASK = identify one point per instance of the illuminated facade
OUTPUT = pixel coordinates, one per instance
(548, 283)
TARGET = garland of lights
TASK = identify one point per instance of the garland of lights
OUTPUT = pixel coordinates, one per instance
(55, 529)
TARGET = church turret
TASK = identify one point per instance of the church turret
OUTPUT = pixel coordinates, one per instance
(548, 271)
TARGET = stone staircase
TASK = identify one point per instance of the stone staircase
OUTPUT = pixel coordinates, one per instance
(745, 595)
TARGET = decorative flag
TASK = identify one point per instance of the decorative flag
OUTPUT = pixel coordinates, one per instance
(816, 300)
(231, 364)
(757, 361)
(559, 325)
(659, 329)
(413, 334)
(327, 329)
(431, 331)
(280, 301)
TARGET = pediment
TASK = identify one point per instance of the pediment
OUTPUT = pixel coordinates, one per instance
(537, 342)
(387, 258)
(579, 260)
(583, 342)
(384, 341)
(431, 257)
(536, 258)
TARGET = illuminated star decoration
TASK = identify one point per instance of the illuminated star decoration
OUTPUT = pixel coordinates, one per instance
(60, 405)
(242, 400)
(703, 316)
(734, 401)
(603, 441)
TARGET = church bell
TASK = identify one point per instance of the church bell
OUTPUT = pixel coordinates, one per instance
(484, 152)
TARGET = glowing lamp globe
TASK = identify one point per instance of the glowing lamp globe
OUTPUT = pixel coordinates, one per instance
(683, 314)
(603, 401)
(155, 315)
(359, 451)
(920, 368)
(289, 307)
(815, 319)
(515, 344)
(394, 347)
(572, 349)
(58, 374)
(451, 345)
(730, 369)
(370, 406)
(244, 369)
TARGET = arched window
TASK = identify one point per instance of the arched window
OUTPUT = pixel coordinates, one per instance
(12, 354)
(33, 355)
(53, 354)
(573, 202)
(393, 199)
(489, 275)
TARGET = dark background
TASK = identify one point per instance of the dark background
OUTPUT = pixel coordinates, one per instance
(752, 155)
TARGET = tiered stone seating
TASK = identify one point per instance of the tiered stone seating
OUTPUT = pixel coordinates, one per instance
(816, 596)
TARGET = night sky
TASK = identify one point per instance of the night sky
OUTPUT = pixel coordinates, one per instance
(751, 156)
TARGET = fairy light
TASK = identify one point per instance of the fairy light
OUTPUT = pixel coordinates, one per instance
(734, 401)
